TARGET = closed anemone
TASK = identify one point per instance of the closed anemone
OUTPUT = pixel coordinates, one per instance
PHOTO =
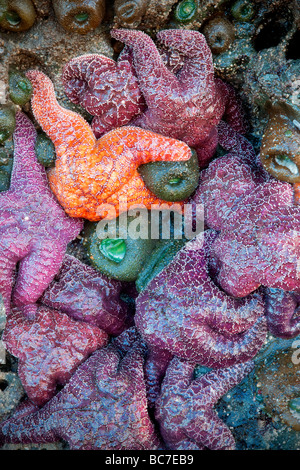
(20, 88)
(79, 16)
(45, 151)
(219, 34)
(171, 181)
(17, 15)
(129, 11)
(242, 10)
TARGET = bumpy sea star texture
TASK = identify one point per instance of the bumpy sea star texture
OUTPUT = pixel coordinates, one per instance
(85, 294)
(223, 187)
(182, 311)
(258, 243)
(189, 104)
(88, 173)
(49, 348)
(108, 90)
(34, 228)
(185, 411)
(282, 311)
(103, 406)
(229, 177)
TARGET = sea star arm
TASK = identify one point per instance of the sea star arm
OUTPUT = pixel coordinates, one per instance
(66, 129)
(216, 383)
(78, 75)
(223, 350)
(233, 113)
(197, 72)
(108, 90)
(208, 428)
(36, 271)
(155, 367)
(233, 316)
(25, 418)
(155, 80)
(184, 408)
(7, 267)
(207, 148)
(26, 169)
(282, 313)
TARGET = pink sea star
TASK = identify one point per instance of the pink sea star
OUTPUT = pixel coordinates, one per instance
(103, 406)
(49, 348)
(34, 229)
(85, 294)
(189, 104)
(185, 411)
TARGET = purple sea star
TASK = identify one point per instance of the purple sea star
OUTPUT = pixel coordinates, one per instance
(185, 411)
(34, 228)
(49, 348)
(282, 311)
(228, 178)
(257, 220)
(103, 406)
(226, 189)
(85, 294)
(108, 90)
(258, 243)
(183, 312)
(189, 104)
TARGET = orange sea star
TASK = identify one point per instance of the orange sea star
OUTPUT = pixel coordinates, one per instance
(88, 172)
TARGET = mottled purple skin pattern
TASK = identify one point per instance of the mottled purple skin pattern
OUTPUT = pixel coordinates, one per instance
(157, 361)
(237, 196)
(188, 104)
(282, 310)
(108, 90)
(184, 409)
(34, 228)
(184, 312)
(103, 407)
(85, 294)
(259, 242)
(228, 178)
(49, 348)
